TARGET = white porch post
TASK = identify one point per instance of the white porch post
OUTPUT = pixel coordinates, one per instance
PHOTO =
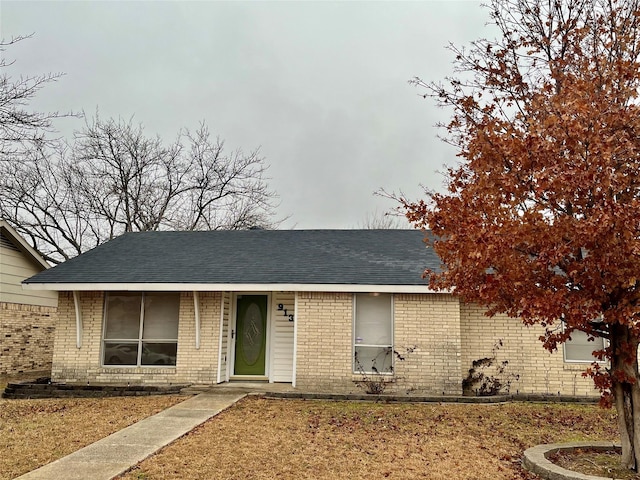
(295, 337)
(76, 304)
(219, 374)
(196, 308)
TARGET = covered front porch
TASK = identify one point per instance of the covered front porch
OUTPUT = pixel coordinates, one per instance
(168, 337)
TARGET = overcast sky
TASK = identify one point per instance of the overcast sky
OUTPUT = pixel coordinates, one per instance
(320, 87)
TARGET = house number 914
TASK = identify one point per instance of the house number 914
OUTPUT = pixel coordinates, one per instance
(282, 309)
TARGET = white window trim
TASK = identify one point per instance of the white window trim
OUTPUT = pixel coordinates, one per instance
(139, 340)
(354, 371)
(605, 344)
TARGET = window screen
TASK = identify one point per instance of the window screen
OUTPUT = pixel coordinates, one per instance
(373, 333)
(579, 349)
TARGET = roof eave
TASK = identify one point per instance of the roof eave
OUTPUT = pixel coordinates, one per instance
(235, 287)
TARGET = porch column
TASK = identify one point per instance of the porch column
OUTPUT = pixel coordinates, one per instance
(196, 308)
(220, 340)
(295, 338)
(76, 304)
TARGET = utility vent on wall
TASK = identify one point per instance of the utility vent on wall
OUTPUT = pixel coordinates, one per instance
(6, 243)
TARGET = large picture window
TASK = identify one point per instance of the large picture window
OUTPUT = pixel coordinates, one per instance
(580, 349)
(140, 329)
(373, 333)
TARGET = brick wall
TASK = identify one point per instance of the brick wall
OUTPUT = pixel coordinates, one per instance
(199, 365)
(82, 365)
(26, 337)
(324, 347)
(540, 371)
(448, 336)
(431, 323)
(72, 364)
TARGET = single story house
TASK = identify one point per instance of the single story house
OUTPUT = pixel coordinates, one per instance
(27, 317)
(314, 308)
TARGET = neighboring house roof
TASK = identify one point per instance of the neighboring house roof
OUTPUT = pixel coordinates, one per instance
(273, 258)
(8, 234)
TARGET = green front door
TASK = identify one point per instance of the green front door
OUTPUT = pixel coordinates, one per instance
(251, 335)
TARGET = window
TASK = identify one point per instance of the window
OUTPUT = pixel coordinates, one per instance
(580, 349)
(373, 333)
(140, 329)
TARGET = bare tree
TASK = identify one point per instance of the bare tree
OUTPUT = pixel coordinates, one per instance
(114, 179)
(21, 128)
(384, 221)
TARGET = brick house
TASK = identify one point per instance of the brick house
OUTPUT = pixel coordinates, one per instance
(27, 317)
(312, 308)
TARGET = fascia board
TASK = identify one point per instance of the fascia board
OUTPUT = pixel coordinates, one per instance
(233, 287)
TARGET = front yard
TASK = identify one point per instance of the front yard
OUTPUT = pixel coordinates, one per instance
(295, 439)
(36, 432)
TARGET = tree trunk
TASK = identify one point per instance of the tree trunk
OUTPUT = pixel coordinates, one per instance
(626, 393)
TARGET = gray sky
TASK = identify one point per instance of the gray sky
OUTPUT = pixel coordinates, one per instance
(321, 87)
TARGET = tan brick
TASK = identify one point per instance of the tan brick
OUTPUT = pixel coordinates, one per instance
(446, 334)
(72, 364)
(539, 371)
(26, 337)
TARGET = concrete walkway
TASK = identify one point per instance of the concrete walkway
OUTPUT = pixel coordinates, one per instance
(118, 452)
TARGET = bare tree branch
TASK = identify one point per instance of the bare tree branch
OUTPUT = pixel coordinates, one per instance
(20, 128)
(114, 179)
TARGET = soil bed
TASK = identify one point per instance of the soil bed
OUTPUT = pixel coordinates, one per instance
(602, 463)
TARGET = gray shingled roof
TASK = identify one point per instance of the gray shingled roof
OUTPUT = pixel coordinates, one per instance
(357, 257)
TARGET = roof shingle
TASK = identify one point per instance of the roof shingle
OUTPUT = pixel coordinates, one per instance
(344, 257)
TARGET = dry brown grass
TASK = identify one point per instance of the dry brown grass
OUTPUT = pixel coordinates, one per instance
(266, 439)
(36, 432)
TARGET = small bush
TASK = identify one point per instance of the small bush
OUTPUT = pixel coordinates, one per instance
(487, 378)
(379, 375)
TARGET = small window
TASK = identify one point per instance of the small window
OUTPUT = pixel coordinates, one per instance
(580, 349)
(141, 329)
(373, 333)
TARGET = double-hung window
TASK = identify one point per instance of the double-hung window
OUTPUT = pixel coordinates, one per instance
(140, 329)
(580, 349)
(373, 333)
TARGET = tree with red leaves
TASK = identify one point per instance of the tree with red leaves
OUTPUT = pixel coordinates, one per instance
(541, 219)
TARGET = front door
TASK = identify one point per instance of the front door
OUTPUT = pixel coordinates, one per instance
(251, 335)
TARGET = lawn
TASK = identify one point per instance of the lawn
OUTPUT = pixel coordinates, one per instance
(295, 439)
(36, 432)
